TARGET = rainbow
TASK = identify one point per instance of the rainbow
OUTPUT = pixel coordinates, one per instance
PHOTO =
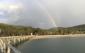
(46, 11)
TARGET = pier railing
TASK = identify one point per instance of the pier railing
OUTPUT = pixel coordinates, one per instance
(6, 43)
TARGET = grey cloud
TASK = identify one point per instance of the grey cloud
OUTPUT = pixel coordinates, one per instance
(64, 12)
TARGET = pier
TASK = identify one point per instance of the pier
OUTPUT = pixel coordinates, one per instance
(7, 44)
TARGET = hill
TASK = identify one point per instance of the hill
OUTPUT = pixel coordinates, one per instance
(12, 30)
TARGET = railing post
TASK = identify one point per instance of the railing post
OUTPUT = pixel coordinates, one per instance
(3, 46)
(31, 34)
(8, 48)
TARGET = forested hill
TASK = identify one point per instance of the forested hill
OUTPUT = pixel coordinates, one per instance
(79, 29)
(79, 26)
(12, 30)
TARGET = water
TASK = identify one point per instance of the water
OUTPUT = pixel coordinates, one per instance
(54, 46)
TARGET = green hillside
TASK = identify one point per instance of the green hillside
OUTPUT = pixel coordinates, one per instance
(12, 30)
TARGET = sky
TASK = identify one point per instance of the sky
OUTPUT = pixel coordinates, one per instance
(43, 13)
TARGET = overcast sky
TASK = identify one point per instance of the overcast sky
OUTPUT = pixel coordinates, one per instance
(43, 13)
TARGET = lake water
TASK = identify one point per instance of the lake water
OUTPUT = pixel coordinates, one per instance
(54, 46)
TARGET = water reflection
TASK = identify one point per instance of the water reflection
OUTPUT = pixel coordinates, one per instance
(54, 46)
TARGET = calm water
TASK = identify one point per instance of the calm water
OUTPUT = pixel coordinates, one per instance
(54, 46)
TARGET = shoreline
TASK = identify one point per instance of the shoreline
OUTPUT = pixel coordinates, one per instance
(59, 36)
(52, 36)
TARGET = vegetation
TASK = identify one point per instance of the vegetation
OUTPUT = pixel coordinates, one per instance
(10, 30)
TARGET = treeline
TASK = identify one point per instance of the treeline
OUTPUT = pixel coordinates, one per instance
(10, 30)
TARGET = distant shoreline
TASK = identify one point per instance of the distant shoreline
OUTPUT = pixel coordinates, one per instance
(59, 36)
(37, 37)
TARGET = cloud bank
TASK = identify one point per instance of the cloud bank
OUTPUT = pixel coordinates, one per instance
(36, 13)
